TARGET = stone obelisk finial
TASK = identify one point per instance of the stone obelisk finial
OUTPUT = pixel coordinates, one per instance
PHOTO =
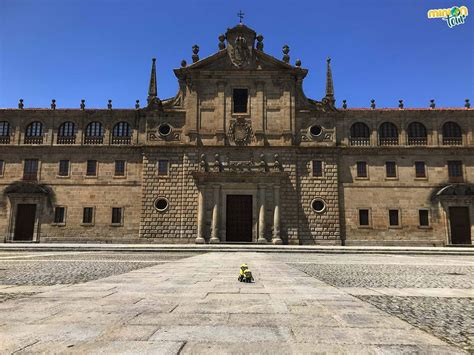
(329, 84)
(152, 90)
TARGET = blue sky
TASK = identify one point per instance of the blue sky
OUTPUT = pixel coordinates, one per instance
(102, 49)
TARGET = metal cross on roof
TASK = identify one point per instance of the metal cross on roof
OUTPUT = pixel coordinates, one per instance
(240, 15)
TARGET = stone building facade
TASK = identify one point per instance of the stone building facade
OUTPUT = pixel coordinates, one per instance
(240, 154)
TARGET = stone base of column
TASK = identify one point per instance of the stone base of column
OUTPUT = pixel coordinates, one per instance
(277, 241)
(200, 240)
(214, 241)
(262, 241)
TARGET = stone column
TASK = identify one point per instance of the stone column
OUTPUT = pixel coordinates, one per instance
(259, 106)
(276, 215)
(261, 215)
(201, 213)
(215, 215)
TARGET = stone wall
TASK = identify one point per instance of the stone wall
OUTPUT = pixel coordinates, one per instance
(177, 224)
(406, 192)
(76, 191)
(314, 227)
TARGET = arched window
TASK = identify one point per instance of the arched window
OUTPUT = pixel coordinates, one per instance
(417, 134)
(34, 129)
(4, 129)
(66, 129)
(122, 133)
(388, 134)
(360, 134)
(66, 133)
(452, 134)
(94, 133)
(94, 129)
(4, 132)
(34, 133)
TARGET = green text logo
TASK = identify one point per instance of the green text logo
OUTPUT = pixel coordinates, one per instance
(453, 16)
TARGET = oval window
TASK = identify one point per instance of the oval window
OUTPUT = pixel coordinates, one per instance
(164, 129)
(318, 205)
(161, 204)
(315, 130)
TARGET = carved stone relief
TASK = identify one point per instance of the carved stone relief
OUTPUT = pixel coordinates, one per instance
(240, 132)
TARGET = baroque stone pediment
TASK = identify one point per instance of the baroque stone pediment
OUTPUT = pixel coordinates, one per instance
(221, 61)
(240, 53)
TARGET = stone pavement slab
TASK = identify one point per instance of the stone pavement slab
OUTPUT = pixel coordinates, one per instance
(200, 307)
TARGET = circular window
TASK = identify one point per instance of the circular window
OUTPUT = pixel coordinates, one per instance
(164, 129)
(315, 130)
(318, 205)
(161, 204)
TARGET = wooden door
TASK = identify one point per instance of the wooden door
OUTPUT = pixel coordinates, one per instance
(239, 218)
(25, 222)
(460, 225)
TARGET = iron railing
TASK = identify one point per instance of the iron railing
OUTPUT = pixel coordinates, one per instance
(417, 141)
(452, 140)
(4, 139)
(359, 142)
(121, 140)
(93, 140)
(388, 141)
(34, 140)
(66, 140)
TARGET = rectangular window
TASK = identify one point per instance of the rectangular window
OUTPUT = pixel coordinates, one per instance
(2, 165)
(240, 97)
(393, 217)
(88, 215)
(91, 168)
(120, 168)
(59, 214)
(116, 215)
(424, 218)
(455, 171)
(364, 217)
(391, 169)
(63, 168)
(317, 168)
(420, 170)
(361, 169)
(163, 167)
(30, 171)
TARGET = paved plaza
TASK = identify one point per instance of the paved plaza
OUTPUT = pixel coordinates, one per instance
(190, 302)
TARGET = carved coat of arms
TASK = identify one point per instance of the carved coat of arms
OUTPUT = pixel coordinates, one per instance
(240, 51)
(240, 131)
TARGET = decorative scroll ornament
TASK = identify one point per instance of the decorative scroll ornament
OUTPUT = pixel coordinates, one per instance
(240, 131)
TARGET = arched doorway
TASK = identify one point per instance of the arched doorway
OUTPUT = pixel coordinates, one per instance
(29, 203)
(458, 203)
(239, 218)
(25, 218)
(460, 225)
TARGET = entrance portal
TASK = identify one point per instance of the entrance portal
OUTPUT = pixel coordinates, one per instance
(239, 218)
(460, 225)
(25, 222)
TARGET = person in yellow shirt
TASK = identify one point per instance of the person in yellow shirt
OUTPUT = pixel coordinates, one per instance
(243, 267)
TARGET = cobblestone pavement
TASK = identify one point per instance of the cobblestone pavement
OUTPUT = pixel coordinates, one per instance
(396, 276)
(99, 302)
(43, 269)
(449, 318)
